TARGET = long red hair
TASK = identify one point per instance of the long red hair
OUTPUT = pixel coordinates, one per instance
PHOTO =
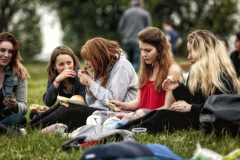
(103, 54)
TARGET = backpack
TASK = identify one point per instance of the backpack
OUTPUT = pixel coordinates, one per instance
(221, 113)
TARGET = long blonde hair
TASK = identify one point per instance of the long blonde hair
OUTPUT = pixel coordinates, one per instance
(213, 67)
(155, 37)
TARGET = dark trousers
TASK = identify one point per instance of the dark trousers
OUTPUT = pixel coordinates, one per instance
(73, 116)
(9, 118)
(160, 120)
(11, 122)
(133, 52)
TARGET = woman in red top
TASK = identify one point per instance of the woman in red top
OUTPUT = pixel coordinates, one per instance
(157, 63)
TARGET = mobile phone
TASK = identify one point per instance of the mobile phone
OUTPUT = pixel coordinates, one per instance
(10, 96)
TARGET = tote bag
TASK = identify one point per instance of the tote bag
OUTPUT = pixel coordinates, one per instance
(221, 112)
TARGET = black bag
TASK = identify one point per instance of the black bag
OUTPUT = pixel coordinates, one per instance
(221, 113)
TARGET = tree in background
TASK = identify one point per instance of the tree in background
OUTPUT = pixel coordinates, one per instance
(82, 20)
(214, 15)
(20, 18)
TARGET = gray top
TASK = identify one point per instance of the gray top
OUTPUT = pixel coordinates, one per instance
(121, 86)
(132, 21)
(21, 96)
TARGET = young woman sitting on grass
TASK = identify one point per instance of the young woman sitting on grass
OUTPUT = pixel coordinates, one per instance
(13, 83)
(211, 73)
(109, 75)
(62, 81)
(157, 63)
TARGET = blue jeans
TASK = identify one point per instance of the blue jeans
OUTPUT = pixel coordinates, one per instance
(12, 119)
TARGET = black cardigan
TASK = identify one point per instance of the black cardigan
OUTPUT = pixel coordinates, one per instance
(182, 93)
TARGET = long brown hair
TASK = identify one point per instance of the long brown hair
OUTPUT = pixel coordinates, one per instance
(155, 37)
(60, 50)
(15, 64)
(103, 54)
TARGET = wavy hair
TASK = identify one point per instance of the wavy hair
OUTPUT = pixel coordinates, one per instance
(155, 37)
(212, 62)
(60, 50)
(103, 54)
(15, 64)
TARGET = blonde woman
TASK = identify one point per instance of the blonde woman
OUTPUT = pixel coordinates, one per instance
(211, 73)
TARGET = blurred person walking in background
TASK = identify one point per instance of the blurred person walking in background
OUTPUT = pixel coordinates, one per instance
(173, 36)
(132, 21)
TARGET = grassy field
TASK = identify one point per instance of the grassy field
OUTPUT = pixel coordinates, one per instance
(39, 146)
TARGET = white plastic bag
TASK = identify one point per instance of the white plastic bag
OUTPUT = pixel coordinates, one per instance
(206, 154)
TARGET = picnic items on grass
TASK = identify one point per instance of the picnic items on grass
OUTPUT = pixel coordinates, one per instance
(95, 133)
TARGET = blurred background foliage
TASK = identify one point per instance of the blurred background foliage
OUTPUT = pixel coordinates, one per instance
(84, 19)
(20, 18)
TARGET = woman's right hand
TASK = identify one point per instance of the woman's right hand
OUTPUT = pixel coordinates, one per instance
(170, 83)
(118, 104)
(66, 73)
(84, 77)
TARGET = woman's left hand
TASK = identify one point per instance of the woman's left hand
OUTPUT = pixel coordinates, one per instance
(181, 106)
(12, 102)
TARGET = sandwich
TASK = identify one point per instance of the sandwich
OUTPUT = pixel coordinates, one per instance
(76, 99)
(38, 108)
(112, 106)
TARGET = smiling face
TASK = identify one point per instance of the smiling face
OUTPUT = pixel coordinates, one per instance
(6, 53)
(148, 52)
(64, 61)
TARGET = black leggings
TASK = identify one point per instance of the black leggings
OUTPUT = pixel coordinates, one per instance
(73, 116)
(158, 120)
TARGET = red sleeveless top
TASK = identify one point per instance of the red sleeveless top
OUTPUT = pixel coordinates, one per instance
(150, 98)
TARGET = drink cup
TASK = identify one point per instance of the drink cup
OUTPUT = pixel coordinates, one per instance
(139, 130)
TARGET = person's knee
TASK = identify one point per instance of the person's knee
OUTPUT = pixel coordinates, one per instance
(14, 119)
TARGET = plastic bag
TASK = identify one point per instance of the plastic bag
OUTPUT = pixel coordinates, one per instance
(205, 154)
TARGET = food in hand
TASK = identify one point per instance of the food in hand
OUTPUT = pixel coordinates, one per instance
(61, 98)
(112, 106)
(76, 99)
(38, 108)
(86, 69)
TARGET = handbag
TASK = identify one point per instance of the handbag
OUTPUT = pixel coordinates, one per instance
(221, 113)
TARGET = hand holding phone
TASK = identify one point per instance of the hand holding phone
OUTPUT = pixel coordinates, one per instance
(10, 100)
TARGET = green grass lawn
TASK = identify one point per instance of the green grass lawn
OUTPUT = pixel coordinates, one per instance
(39, 146)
